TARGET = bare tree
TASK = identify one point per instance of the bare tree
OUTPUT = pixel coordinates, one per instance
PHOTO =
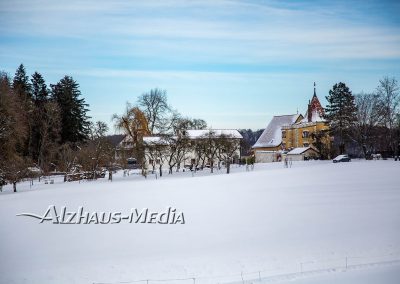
(66, 157)
(228, 147)
(179, 123)
(177, 148)
(212, 147)
(50, 125)
(13, 133)
(199, 147)
(388, 92)
(16, 170)
(98, 151)
(156, 109)
(368, 117)
(157, 151)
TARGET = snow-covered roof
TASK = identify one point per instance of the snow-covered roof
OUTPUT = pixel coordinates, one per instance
(315, 117)
(272, 135)
(157, 140)
(300, 150)
(195, 133)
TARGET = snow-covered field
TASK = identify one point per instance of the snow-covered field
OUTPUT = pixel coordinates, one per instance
(296, 225)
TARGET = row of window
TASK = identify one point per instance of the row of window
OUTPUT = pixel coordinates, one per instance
(305, 134)
(304, 145)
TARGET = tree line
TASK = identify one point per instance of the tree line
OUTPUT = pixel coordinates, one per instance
(44, 127)
(365, 123)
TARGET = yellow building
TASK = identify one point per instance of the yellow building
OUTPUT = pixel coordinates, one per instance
(287, 132)
(312, 130)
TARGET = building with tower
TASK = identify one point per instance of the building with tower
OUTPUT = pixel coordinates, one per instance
(287, 132)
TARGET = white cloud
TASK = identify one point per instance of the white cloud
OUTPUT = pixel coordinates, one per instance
(195, 31)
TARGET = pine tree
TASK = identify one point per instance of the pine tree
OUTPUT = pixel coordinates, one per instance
(39, 97)
(39, 89)
(340, 113)
(73, 109)
(21, 85)
(24, 107)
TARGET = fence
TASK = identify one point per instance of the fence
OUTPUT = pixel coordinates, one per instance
(285, 272)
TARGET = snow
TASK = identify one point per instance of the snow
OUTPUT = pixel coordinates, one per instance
(194, 133)
(316, 117)
(155, 140)
(368, 274)
(303, 221)
(297, 151)
(272, 135)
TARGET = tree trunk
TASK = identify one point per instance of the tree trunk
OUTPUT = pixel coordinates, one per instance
(341, 148)
(212, 166)
(15, 186)
(364, 149)
(228, 167)
(160, 170)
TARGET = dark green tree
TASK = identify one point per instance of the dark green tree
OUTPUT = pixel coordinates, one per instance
(39, 94)
(21, 84)
(39, 89)
(24, 108)
(73, 110)
(340, 113)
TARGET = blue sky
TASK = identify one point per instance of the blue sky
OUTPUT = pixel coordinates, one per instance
(232, 63)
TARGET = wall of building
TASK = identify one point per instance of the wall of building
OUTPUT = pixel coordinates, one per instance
(267, 156)
(293, 137)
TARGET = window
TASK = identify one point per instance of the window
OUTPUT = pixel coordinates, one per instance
(283, 134)
(131, 161)
(306, 145)
(306, 134)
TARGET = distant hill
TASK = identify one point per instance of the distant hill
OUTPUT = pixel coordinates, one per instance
(249, 139)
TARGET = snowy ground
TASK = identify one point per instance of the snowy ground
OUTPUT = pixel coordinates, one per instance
(296, 225)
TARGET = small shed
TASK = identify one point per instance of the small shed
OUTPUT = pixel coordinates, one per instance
(303, 153)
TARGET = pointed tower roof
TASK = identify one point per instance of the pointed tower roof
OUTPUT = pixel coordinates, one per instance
(315, 94)
(315, 111)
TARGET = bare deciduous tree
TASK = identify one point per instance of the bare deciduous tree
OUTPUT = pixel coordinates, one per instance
(49, 135)
(368, 117)
(228, 147)
(388, 92)
(156, 109)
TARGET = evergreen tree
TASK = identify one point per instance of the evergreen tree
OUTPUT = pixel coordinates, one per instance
(24, 107)
(340, 113)
(21, 85)
(39, 94)
(39, 89)
(73, 109)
